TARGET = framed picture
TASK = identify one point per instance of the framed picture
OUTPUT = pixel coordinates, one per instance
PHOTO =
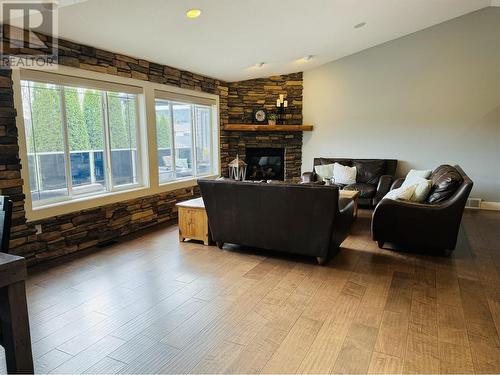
(260, 116)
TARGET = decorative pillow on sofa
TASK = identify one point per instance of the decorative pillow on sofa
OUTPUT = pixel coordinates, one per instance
(324, 171)
(422, 187)
(445, 181)
(425, 173)
(344, 175)
(402, 193)
(369, 171)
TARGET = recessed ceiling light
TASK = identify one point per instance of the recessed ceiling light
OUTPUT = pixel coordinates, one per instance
(193, 13)
(360, 25)
(307, 58)
(259, 65)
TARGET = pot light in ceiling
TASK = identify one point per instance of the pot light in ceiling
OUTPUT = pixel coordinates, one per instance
(259, 65)
(360, 25)
(193, 13)
(304, 59)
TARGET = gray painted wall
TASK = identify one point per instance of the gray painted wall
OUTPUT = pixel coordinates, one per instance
(429, 98)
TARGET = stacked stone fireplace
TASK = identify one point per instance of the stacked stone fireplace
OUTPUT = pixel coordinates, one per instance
(290, 143)
(242, 99)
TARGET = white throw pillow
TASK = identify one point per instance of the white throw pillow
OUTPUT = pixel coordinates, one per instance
(402, 193)
(418, 173)
(325, 171)
(344, 175)
(422, 187)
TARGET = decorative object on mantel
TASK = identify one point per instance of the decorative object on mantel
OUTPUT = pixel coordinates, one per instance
(237, 169)
(272, 119)
(260, 116)
(281, 104)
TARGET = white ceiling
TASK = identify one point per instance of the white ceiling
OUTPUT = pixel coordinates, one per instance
(233, 35)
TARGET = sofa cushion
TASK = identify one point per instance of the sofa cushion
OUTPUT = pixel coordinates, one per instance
(365, 190)
(445, 181)
(369, 171)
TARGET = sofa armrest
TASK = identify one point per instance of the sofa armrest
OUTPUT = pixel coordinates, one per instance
(397, 183)
(308, 177)
(383, 187)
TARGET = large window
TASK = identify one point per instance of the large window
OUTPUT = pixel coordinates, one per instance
(81, 139)
(185, 133)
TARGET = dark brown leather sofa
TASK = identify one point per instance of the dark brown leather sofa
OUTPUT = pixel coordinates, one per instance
(431, 226)
(293, 218)
(373, 181)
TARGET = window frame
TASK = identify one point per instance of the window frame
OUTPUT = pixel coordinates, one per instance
(193, 103)
(147, 130)
(108, 161)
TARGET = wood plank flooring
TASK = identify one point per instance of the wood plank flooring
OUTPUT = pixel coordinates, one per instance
(150, 304)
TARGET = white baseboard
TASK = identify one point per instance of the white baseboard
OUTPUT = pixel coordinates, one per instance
(494, 206)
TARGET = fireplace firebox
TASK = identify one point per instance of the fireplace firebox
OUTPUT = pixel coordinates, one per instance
(265, 163)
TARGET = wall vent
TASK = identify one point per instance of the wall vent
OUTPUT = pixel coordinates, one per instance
(474, 203)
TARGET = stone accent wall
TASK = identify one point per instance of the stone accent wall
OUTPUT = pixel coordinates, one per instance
(243, 98)
(23, 238)
(83, 229)
(72, 232)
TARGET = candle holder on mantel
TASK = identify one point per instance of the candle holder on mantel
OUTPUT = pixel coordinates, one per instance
(282, 105)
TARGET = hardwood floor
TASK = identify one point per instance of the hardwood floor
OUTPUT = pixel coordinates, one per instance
(151, 304)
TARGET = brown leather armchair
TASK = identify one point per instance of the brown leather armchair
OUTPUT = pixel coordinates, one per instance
(430, 226)
(294, 218)
(373, 181)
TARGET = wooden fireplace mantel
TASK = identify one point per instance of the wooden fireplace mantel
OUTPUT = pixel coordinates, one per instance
(267, 128)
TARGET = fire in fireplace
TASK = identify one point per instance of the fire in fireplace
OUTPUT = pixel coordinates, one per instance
(265, 163)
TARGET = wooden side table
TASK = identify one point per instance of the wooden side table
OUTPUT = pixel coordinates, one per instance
(351, 194)
(15, 328)
(193, 221)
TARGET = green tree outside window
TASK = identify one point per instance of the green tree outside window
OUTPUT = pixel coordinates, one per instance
(47, 134)
(92, 114)
(77, 127)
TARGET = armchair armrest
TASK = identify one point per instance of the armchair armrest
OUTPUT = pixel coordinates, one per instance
(397, 183)
(343, 223)
(383, 187)
(308, 177)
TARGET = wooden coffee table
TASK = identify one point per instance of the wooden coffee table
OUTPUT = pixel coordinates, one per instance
(193, 221)
(351, 194)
